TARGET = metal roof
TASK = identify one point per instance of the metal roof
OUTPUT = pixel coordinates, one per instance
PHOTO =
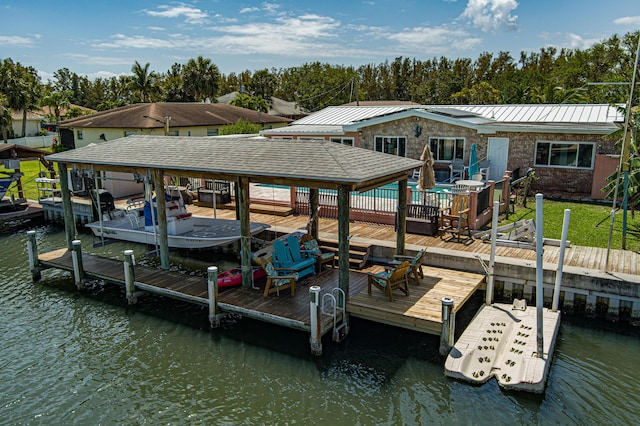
(579, 118)
(308, 163)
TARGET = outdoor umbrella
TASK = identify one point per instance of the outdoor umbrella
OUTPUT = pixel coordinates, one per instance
(427, 177)
(474, 169)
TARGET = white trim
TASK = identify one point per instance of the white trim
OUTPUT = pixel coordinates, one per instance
(555, 166)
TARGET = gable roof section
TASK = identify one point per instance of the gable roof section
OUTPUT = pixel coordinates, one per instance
(183, 114)
(307, 163)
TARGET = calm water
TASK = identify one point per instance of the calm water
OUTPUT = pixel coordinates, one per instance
(67, 358)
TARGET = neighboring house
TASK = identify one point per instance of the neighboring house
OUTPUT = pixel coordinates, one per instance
(171, 118)
(34, 121)
(564, 143)
(277, 106)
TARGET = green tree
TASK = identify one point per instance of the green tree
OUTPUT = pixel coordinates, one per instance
(250, 102)
(633, 164)
(57, 101)
(143, 83)
(5, 117)
(240, 127)
(201, 79)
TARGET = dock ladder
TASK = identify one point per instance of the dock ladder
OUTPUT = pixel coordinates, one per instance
(334, 304)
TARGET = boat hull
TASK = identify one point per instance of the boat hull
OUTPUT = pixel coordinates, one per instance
(206, 232)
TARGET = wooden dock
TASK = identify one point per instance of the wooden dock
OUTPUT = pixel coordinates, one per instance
(420, 311)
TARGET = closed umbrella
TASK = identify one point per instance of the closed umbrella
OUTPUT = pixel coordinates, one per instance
(427, 177)
(474, 168)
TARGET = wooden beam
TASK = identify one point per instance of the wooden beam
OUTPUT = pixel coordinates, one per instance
(163, 240)
(242, 201)
(69, 220)
(344, 206)
(402, 216)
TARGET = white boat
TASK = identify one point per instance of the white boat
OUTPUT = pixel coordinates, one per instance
(183, 229)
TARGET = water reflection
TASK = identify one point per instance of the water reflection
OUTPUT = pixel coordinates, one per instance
(87, 358)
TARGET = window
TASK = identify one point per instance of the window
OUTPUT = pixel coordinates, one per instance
(447, 149)
(396, 145)
(212, 132)
(80, 135)
(173, 133)
(343, 141)
(128, 133)
(565, 154)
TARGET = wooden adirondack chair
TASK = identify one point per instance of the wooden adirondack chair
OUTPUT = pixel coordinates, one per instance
(455, 218)
(279, 279)
(283, 257)
(388, 281)
(415, 264)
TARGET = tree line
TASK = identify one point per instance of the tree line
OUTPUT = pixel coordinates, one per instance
(549, 75)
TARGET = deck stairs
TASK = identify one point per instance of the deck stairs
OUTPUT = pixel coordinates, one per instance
(358, 252)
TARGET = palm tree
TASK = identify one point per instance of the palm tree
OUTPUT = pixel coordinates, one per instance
(57, 101)
(5, 117)
(144, 81)
(201, 79)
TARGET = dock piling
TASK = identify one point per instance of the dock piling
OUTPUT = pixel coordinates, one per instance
(314, 307)
(78, 269)
(448, 326)
(129, 277)
(212, 287)
(32, 250)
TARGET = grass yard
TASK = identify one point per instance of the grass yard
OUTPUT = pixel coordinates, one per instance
(30, 170)
(588, 226)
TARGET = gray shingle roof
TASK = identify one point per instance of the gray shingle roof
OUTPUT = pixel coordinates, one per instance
(261, 159)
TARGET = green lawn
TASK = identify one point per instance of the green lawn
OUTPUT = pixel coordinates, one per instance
(588, 226)
(30, 170)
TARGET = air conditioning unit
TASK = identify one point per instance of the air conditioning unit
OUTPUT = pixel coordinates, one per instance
(11, 164)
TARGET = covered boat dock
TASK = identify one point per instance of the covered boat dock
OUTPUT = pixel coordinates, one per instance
(243, 160)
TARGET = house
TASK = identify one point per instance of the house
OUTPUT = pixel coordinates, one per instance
(170, 118)
(277, 106)
(34, 121)
(567, 145)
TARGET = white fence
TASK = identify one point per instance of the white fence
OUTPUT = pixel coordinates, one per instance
(35, 141)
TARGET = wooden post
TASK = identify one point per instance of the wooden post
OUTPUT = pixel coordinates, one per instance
(314, 312)
(78, 269)
(402, 216)
(163, 240)
(448, 326)
(492, 256)
(67, 207)
(129, 277)
(212, 287)
(539, 276)
(314, 204)
(242, 200)
(563, 245)
(344, 206)
(32, 250)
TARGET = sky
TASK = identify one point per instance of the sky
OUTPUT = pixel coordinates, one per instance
(103, 38)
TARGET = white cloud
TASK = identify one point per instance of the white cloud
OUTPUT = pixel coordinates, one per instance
(436, 40)
(152, 28)
(491, 15)
(192, 15)
(249, 9)
(136, 42)
(17, 41)
(631, 21)
(99, 60)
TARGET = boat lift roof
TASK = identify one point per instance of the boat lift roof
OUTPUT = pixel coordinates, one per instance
(312, 163)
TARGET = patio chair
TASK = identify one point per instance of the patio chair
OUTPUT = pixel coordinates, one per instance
(415, 264)
(322, 257)
(279, 279)
(388, 281)
(283, 257)
(455, 218)
(457, 169)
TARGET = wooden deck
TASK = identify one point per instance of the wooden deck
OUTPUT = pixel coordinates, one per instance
(588, 258)
(420, 311)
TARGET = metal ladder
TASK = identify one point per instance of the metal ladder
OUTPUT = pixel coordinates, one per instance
(331, 306)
